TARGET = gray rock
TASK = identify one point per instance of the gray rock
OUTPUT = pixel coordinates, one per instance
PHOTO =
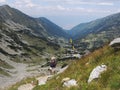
(70, 83)
(96, 72)
(115, 43)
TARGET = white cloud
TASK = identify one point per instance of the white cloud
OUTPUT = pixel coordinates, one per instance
(106, 4)
(84, 2)
(2, 1)
(24, 3)
(90, 3)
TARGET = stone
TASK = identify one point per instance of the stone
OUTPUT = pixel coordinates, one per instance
(26, 87)
(70, 83)
(96, 72)
(115, 44)
(43, 79)
(65, 79)
(115, 41)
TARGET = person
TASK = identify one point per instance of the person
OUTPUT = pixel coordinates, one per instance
(53, 64)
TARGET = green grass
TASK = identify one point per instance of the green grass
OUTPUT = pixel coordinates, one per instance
(80, 70)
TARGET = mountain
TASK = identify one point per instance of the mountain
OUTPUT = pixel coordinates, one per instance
(108, 23)
(96, 33)
(41, 26)
(80, 71)
(52, 28)
(25, 41)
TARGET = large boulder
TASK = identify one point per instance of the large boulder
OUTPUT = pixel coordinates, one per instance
(115, 43)
(96, 72)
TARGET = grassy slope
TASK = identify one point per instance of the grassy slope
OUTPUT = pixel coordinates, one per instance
(80, 70)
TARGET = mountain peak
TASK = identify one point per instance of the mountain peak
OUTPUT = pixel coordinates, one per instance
(5, 6)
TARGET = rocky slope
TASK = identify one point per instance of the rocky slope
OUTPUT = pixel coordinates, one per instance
(24, 39)
(16, 20)
(22, 35)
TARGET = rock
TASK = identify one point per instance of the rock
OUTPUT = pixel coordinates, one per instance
(62, 70)
(26, 87)
(70, 83)
(115, 43)
(43, 79)
(65, 79)
(77, 56)
(96, 72)
(117, 40)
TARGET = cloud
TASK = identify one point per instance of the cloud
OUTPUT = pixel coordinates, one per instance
(72, 2)
(61, 10)
(24, 3)
(62, 7)
(2, 1)
(94, 0)
(84, 2)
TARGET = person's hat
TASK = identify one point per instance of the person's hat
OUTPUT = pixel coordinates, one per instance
(52, 58)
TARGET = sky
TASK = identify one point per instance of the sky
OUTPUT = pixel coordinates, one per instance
(66, 13)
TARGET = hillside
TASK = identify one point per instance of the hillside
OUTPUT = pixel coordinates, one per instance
(41, 26)
(96, 33)
(80, 71)
(22, 36)
(21, 54)
(52, 29)
(25, 45)
(107, 23)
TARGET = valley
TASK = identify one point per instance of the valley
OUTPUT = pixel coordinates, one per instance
(27, 45)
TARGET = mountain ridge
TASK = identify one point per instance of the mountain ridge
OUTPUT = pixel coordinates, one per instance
(96, 33)
(94, 26)
(16, 16)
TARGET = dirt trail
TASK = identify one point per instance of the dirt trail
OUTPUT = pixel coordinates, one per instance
(19, 72)
(22, 71)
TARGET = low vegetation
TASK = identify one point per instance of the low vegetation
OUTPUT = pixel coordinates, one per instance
(3, 72)
(24, 81)
(80, 71)
(5, 65)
